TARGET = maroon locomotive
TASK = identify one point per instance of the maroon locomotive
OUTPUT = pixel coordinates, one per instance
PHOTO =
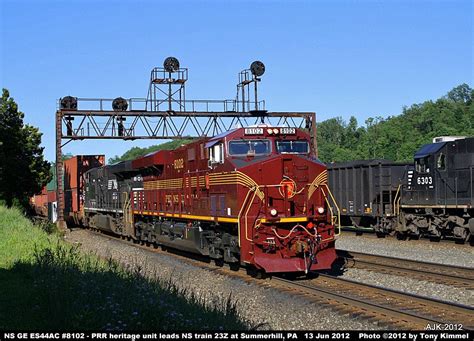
(255, 196)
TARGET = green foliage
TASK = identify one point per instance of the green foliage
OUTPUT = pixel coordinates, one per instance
(135, 152)
(47, 284)
(23, 170)
(398, 137)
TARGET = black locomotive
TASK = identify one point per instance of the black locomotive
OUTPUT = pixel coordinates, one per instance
(107, 190)
(433, 196)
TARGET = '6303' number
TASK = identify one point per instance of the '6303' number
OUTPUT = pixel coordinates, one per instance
(424, 180)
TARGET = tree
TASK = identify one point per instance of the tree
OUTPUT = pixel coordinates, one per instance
(398, 137)
(23, 170)
(462, 93)
(135, 152)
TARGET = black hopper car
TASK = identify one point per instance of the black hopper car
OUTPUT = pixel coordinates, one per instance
(432, 197)
(366, 191)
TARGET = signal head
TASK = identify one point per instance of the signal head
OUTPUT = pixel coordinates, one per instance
(120, 104)
(69, 102)
(171, 64)
(257, 68)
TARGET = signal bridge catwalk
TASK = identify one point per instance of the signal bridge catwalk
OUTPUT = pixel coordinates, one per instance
(205, 117)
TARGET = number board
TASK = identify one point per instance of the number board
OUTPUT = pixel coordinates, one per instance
(424, 180)
(253, 131)
(287, 131)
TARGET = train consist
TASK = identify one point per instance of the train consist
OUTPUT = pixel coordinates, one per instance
(433, 196)
(45, 203)
(254, 196)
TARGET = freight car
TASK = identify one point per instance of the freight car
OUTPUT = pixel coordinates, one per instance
(254, 196)
(432, 197)
(365, 191)
(45, 203)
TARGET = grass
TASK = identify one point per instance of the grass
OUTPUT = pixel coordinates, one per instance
(47, 284)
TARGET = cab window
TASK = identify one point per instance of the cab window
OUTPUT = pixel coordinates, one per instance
(421, 165)
(249, 147)
(292, 147)
(216, 153)
(441, 163)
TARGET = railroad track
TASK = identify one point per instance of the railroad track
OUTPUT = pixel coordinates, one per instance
(369, 233)
(432, 272)
(389, 308)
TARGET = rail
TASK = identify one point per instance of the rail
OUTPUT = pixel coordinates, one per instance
(433, 272)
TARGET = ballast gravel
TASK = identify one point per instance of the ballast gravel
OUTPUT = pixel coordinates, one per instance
(444, 253)
(412, 286)
(273, 309)
(423, 250)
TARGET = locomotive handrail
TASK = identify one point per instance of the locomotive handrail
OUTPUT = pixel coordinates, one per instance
(396, 201)
(240, 215)
(333, 218)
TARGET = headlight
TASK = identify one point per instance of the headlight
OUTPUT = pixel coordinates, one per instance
(273, 212)
(320, 210)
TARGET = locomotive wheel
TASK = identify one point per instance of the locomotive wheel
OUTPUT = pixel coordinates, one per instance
(435, 239)
(291, 276)
(255, 273)
(234, 266)
(219, 262)
(401, 236)
(380, 234)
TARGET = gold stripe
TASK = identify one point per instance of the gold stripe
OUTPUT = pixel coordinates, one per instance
(285, 220)
(321, 179)
(189, 216)
(215, 179)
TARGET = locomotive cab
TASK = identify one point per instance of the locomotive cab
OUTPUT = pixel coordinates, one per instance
(438, 197)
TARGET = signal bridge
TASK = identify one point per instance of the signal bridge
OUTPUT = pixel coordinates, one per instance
(166, 114)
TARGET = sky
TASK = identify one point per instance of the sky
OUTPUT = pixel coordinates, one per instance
(336, 58)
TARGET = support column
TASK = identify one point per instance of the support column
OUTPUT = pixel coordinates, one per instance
(59, 173)
(312, 133)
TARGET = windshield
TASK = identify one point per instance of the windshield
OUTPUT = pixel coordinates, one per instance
(246, 147)
(293, 147)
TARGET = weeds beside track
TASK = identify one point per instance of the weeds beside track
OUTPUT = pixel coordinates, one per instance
(47, 284)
